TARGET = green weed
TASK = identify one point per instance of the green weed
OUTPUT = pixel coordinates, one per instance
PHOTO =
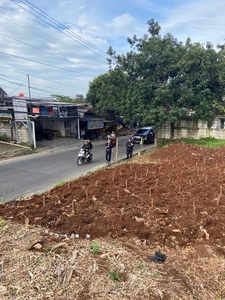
(114, 276)
(61, 182)
(139, 265)
(95, 248)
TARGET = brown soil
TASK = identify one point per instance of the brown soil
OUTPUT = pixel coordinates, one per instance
(172, 200)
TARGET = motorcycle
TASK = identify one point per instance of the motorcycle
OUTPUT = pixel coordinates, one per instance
(40, 135)
(81, 157)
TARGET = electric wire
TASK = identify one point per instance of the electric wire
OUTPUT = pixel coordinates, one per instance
(45, 64)
(35, 48)
(46, 41)
(55, 89)
(58, 29)
(41, 12)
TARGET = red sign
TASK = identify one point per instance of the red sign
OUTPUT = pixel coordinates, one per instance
(36, 110)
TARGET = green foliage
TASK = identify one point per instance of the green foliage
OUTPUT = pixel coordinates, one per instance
(95, 248)
(60, 183)
(206, 142)
(161, 79)
(140, 265)
(4, 137)
(66, 99)
(2, 222)
(114, 276)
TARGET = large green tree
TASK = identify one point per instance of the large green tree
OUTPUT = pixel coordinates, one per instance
(161, 79)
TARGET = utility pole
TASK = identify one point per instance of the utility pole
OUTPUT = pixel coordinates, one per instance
(28, 78)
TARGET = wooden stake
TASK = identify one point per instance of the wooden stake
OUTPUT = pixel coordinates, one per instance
(73, 206)
(160, 168)
(118, 195)
(221, 190)
(43, 200)
(135, 177)
(146, 172)
(194, 207)
(156, 183)
(206, 178)
(126, 184)
(150, 192)
(96, 182)
(87, 194)
(152, 203)
(68, 184)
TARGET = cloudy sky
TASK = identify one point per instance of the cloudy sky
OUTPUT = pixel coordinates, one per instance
(59, 47)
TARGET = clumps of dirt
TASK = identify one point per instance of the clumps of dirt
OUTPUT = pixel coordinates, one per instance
(174, 197)
(93, 238)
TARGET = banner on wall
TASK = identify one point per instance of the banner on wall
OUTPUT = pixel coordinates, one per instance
(5, 116)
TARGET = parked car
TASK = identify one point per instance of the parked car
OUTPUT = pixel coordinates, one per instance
(146, 133)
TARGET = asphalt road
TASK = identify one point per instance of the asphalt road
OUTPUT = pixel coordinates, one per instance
(37, 173)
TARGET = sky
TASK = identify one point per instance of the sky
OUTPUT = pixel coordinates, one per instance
(58, 47)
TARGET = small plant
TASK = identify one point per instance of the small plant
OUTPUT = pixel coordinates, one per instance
(49, 248)
(60, 183)
(2, 199)
(114, 276)
(155, 274)
(4, 137)
(139, 265)
(95, 248)
(114, 242)
(38, 261)
(13, 291)
(2, 222)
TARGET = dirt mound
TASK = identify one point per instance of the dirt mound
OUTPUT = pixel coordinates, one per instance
(172, 201)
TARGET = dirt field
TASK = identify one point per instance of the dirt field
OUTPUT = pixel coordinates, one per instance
(172, 200)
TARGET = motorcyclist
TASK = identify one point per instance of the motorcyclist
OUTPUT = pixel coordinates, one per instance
(87, 148)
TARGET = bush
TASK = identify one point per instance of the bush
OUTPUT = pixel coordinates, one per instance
(4, 137)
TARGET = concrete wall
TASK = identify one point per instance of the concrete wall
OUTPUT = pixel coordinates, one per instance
(16, 131)
(192, 129)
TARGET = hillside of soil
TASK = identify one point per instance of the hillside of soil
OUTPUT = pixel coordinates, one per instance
(92, 238)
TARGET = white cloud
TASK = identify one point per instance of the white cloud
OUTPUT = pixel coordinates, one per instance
(201, 20)
(96, 25)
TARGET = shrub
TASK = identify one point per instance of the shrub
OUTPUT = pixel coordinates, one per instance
(4, 137)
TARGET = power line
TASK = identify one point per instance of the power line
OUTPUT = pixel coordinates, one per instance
(44, 40)
(55, 89)
(36, 48)
(63, 27)
(24, 85)
(58, 83)
(45, 64)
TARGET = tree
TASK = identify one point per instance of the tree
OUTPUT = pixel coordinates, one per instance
(161, 79)
(61, 98)
(79, 98)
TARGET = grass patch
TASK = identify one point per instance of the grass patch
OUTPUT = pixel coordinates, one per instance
(60, 183)
(208, 142)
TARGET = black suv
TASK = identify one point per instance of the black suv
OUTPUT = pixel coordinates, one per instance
(146, 133)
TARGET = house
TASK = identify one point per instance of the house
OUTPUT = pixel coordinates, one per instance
(21, 116)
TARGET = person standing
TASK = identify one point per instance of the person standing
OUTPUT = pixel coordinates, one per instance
(129, 148)
(108, 151)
